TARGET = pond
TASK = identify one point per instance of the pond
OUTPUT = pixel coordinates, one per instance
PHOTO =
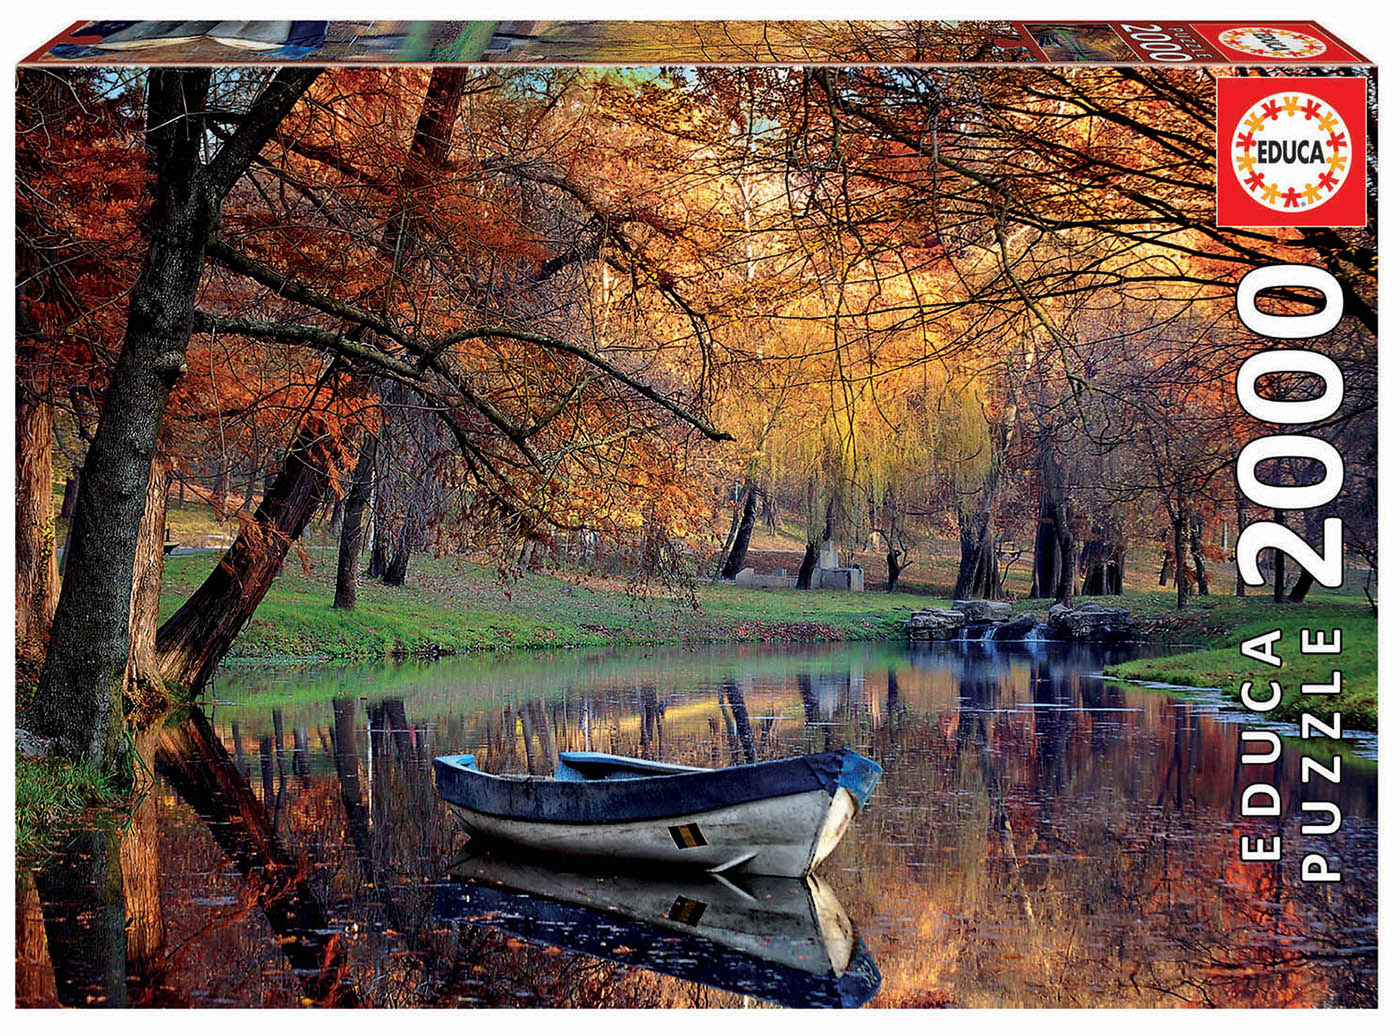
(1039, 838)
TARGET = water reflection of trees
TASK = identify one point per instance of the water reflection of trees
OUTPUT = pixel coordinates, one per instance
(1028, 845)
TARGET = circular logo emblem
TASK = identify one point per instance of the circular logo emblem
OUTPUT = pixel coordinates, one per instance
(1261, 41)
(1291, 152)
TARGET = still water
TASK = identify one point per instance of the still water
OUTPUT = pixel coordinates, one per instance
(1039, 838)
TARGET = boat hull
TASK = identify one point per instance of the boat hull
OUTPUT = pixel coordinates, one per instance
(778, 818)
(785, 836)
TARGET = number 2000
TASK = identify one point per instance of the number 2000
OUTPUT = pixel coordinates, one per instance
(1324, 566)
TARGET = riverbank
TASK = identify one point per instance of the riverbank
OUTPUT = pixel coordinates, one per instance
(453, 606)
(1220, 665)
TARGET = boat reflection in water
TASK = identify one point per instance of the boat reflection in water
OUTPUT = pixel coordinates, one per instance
(785, 940)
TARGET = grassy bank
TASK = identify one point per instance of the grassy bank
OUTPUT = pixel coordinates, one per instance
(1221, 665)
(454, 606)
(50, 793)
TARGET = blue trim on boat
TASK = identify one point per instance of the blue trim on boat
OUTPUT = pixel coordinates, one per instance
(596, 766)
(636, 797)
(859, 776)
(632, 943)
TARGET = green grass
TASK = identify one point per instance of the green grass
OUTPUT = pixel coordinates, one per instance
(1222, 666)
(453, 606)
(458, 606)
(50, 793)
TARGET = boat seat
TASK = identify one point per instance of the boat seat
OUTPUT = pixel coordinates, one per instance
(596, 766)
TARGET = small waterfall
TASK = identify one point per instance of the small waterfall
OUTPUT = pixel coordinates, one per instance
(986, 634)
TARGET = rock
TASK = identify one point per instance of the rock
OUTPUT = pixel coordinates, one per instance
(32, 744)
(936, 624)
(1091, 621)
(984, 611)
(840, 578)
(1017, 628)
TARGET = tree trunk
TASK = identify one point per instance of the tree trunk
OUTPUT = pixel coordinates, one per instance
(894, 566)
(1280, 587)
(724, 551)
(1047, 559)
(352, 526)
(80, 690)
(36, 549)
(192, 642)
(978, 575)
(739, 553)
(142, 664)
(1179, 556)
(397, 571)
(1198, 555)
(379, 546)
(1312, 529)
(1064, 546)
(1241, 520)
(1093, 562)
(808, 566)
(70, 498)
(36, 556)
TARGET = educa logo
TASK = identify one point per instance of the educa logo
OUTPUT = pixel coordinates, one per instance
(1292, 151)
(1263, 41)
(1289, 156)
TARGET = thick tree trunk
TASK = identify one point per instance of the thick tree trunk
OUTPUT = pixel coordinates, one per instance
(192, 642)
(1047, 559)
(352, 526)
(739, 553)
(978, 575)
(1102, 560)
(80, 690)
(1280, 574)
(36, 555)
(808, 566)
